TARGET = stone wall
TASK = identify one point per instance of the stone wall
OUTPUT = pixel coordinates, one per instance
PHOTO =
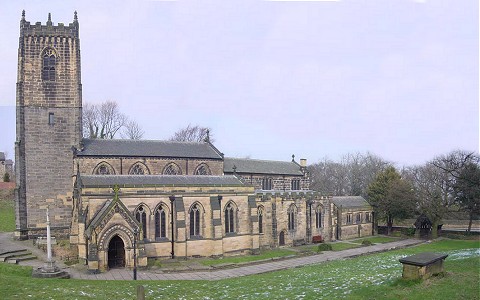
(154, 166)
(279, 182)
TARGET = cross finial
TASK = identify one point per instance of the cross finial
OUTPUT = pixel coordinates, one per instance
(75, 18)
(293, 157)
(207, 139)
(23, 15)
(234, 169)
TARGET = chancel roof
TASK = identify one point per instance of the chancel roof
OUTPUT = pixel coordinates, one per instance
(256, 166)
(351, 202)
(147, 148)
(162, 180)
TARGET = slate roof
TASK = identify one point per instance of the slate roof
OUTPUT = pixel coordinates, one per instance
(146, 148)
(2, 156)
(351, 202)
(255, 166)
(162, 180)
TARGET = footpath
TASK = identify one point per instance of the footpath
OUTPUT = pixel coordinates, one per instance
(8, 244)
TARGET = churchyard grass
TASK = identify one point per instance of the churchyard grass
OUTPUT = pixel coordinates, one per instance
(376, 276)
(274, 253)
(377, 239)
(7, 211)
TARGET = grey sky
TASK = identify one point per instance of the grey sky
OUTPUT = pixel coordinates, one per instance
(396, 78)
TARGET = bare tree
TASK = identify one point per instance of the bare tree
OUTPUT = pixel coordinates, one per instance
(105, 120)
(132, 131)
(193, 134)
(349, 176)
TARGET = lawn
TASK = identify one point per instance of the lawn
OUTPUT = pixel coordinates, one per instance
(377, 239)
(248, 258)
(7, 211)
(374, 276)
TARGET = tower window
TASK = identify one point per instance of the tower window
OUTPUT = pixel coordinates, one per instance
(49, 62)
(51, 119)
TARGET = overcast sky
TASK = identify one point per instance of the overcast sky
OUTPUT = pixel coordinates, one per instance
(398, 78)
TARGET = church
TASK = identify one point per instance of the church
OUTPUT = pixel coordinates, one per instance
(155, 199)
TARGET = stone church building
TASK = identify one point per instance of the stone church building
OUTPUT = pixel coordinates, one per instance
(181, 199)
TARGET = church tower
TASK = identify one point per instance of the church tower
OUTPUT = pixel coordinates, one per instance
(49, 125)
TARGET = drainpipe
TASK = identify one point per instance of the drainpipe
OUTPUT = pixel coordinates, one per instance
(172, 199)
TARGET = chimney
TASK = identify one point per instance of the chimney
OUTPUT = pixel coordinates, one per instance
(303, 162)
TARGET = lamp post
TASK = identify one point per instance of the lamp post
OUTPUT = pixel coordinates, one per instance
(172, 199)
(135, 233)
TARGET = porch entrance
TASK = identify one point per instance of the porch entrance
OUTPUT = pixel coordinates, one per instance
(116, 253)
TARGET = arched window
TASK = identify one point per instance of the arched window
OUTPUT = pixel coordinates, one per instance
(138, 169)
(203, 169)
(260, 219)
(230, 218)
(172, 169)
(195, 220)
(160, 223)
(292, 211)
(103, 169)
(48, 64)
(318, 217)
(141, 216)
(267, 183)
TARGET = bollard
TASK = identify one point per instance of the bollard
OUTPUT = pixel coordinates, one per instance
(140, 292)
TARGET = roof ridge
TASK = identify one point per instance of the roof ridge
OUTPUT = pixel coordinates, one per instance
(255, 159)
(139, 141)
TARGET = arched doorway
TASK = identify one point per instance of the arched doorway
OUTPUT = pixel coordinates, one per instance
(281, 239)
(116, 253)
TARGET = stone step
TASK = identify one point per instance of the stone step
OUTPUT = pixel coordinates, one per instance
(5, 252)
(17, 259)
(12, 254)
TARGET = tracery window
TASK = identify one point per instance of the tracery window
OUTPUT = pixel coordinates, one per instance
(48, 65)
(260, 220)
(202, 169)
(172, 169)
(141, 216)
(318, 217)
(230, 212)
(103, 169)
(195, 220)
(138, 169)
(267, 183)
(160, 223)
(292, 211)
